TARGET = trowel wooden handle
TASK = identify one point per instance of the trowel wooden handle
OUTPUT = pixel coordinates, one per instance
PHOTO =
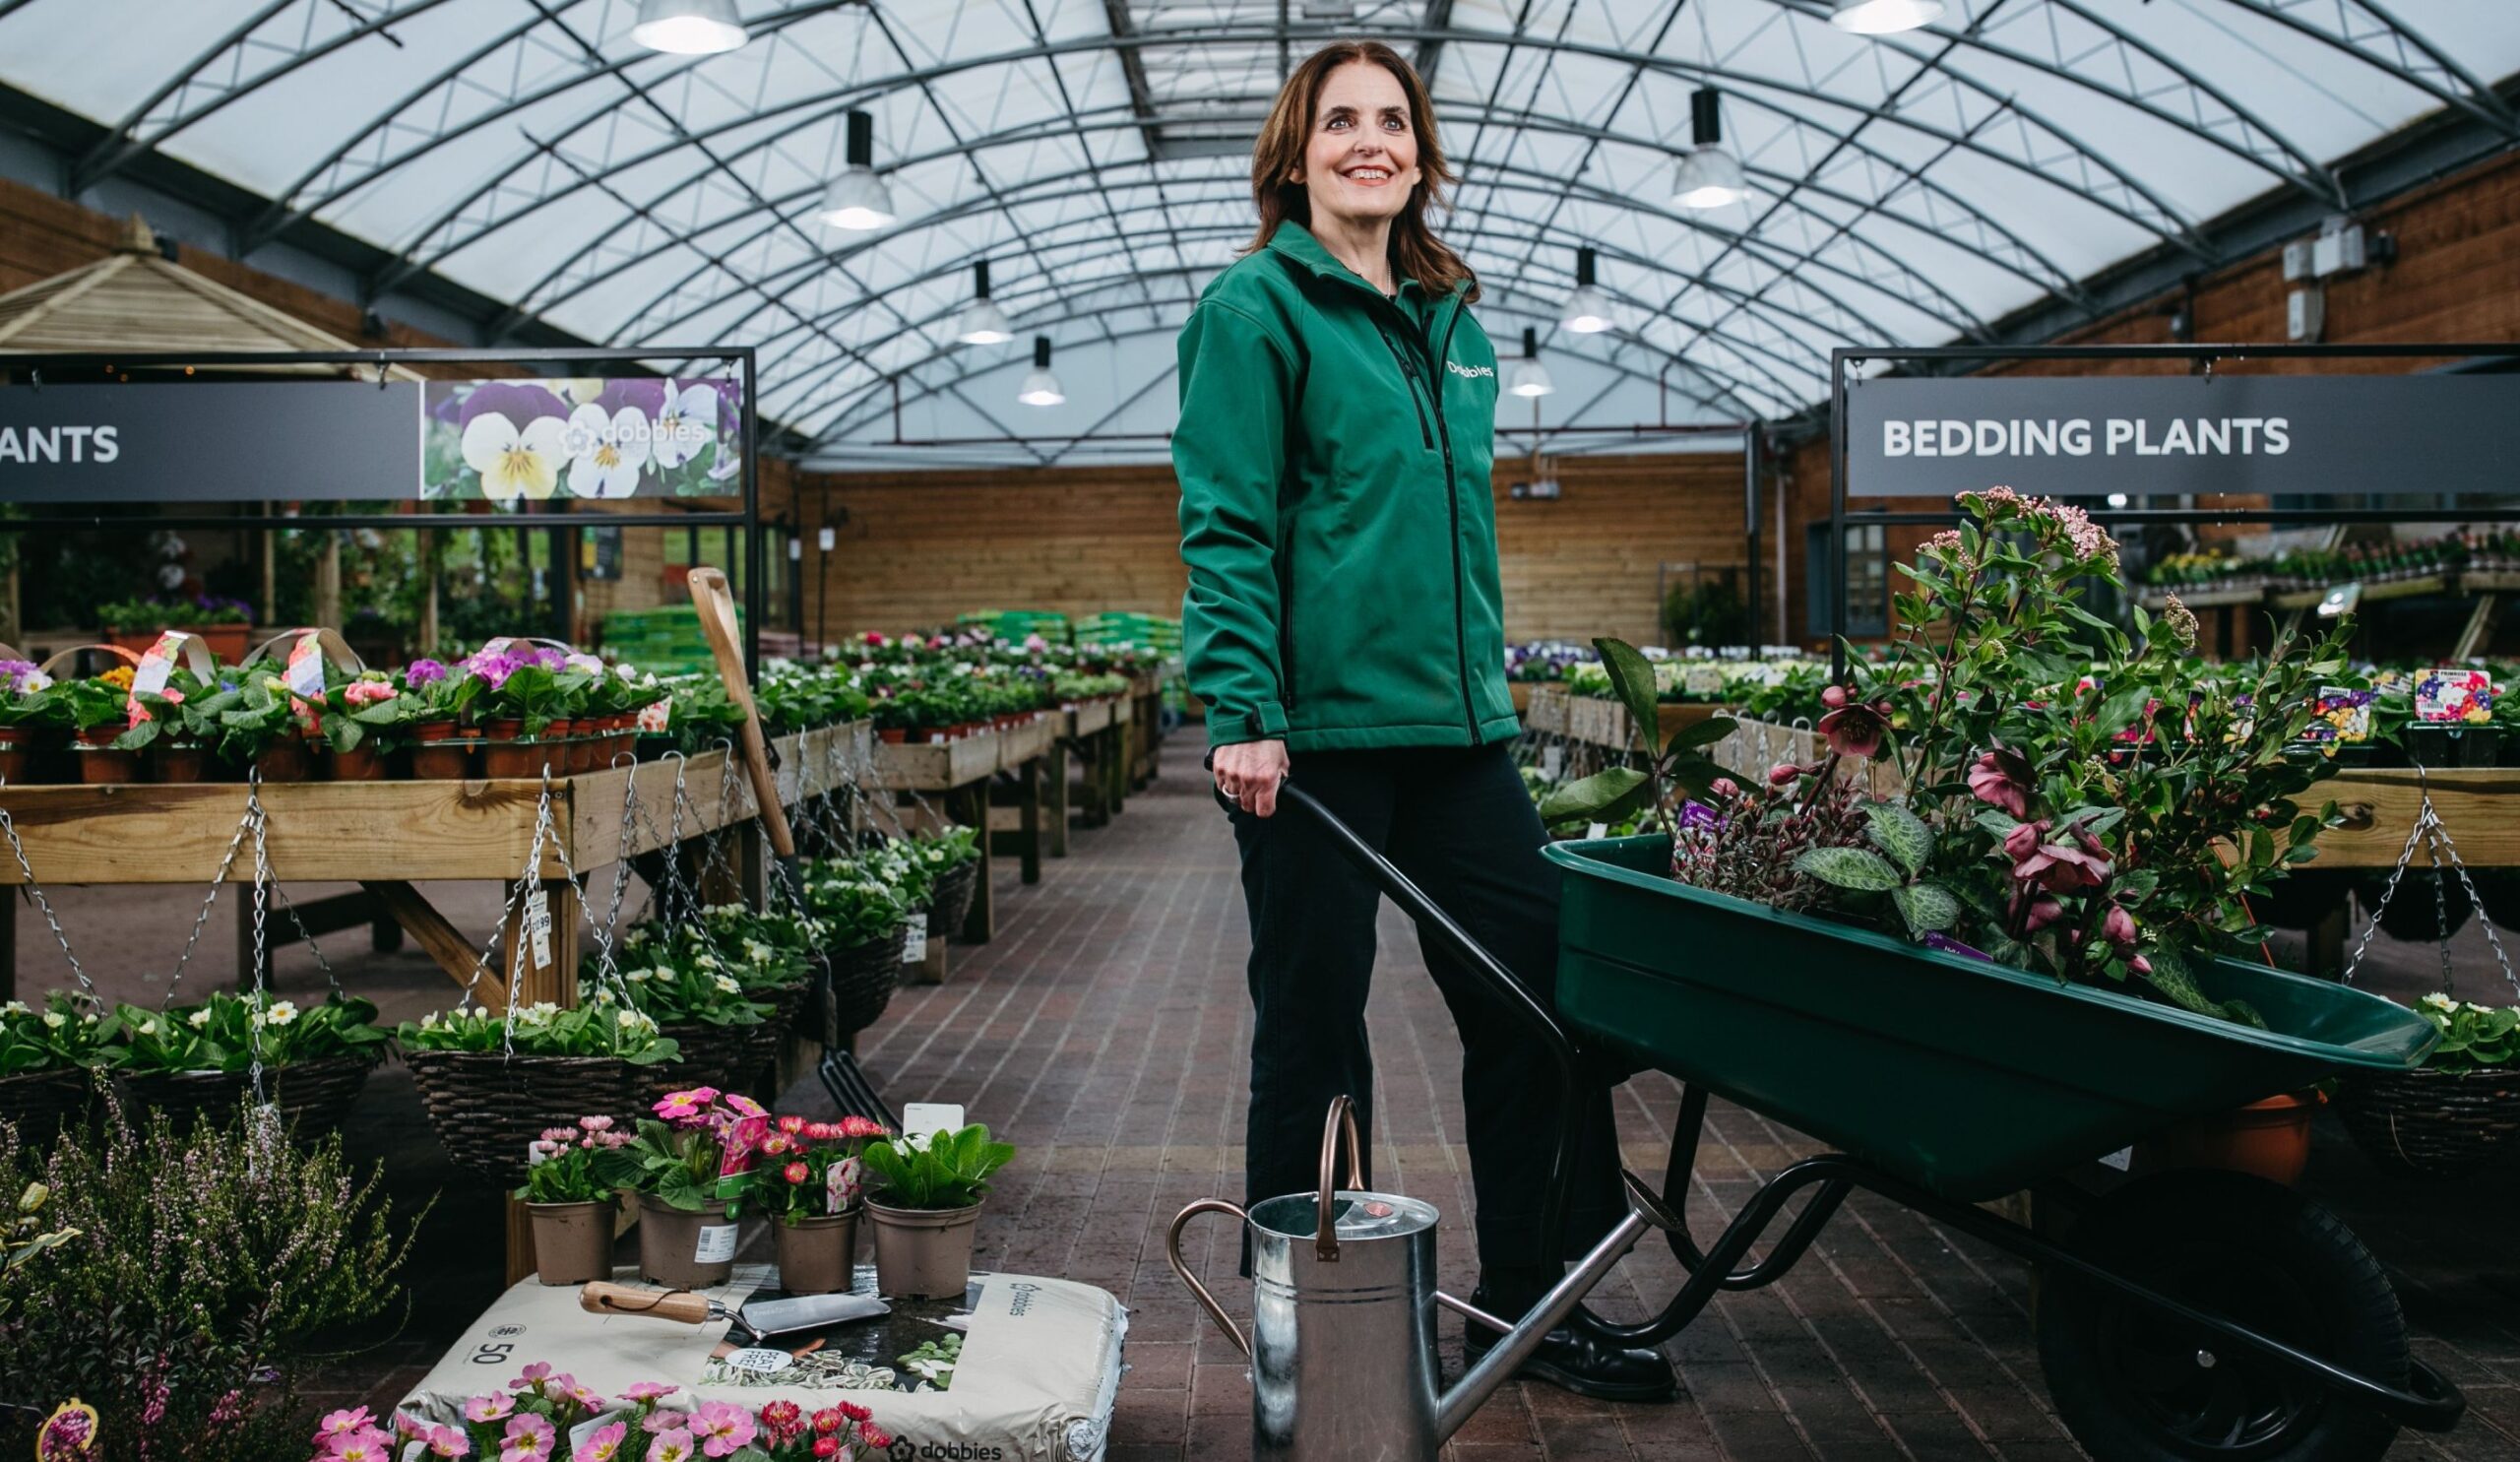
(717, 607)
(604, 1298)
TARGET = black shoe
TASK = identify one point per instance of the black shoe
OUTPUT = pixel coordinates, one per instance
(1576, 1356)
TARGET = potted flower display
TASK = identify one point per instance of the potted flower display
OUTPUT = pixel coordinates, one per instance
(687, 1164)
(2459, 1109)
(98, 712)
(196, 1061)
(173, 727)
(26, 705)
(543, 1415)
(524, 705)
(493, 1085)
(927, 1205)
(862, 903)
(362, 718)
(261, 724)
(437, 701)
(809, 1183)
(223, 625)
(571, 1203)
(45, 1055)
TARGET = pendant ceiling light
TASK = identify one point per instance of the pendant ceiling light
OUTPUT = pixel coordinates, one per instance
(1884, 17)
(1588, 309)
(857, 198)
(981, 321)
(1530, 377)
(688, 28)
(1040, 388)
(1709, 176)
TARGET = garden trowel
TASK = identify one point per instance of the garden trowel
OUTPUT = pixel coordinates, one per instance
(758, 1318)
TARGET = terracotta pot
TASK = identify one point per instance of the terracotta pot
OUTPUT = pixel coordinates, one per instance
(100, 765)
(685, 1250)
(572, 1242)
(442, 761)
(284, 761)
(2270, 1139)
(13, 765)
(504, 728)
(817, 1255)
(923, 1252)
(523, 759)
(434, 731)
(360, 764)
(179, 763)
(893, 736)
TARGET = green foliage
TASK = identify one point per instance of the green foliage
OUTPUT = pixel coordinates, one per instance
(225, 1032)
(61, 1035)
(944, 1170)
(542, 1029)
(209, 1272)
(1622, 791)
(2473, 1037)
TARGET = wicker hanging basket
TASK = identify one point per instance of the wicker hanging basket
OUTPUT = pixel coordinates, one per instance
(863, 980)
(314, 1097)
(761, 1046)
(2434, 1123)
(40, 1103)
(951, 904)
(486, 1106)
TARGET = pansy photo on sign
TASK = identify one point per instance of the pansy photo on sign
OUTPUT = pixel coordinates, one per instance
(2339, 715)
(2451, 694)
(589, 437)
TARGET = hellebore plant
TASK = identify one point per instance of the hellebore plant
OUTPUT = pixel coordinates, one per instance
(2080, 828)
(1618, 793)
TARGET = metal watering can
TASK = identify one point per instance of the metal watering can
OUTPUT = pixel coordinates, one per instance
(1344, 1296)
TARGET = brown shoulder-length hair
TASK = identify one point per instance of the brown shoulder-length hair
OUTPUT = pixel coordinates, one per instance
(1415, 252)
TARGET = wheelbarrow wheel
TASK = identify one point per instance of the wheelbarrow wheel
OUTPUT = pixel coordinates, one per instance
(2134, 1384)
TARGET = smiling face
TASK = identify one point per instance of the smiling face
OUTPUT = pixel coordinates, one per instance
(1360, 159)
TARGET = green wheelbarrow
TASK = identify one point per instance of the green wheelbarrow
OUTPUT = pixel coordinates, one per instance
(2186, 1315)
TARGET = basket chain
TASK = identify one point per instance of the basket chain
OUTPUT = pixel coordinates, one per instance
(34, 891)
(2430, 832)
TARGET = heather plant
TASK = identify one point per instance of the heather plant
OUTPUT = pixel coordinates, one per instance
(1748, 843)
(209, 1268)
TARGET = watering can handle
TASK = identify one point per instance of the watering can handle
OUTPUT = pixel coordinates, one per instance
(1172, 1251)
(1325, 1231)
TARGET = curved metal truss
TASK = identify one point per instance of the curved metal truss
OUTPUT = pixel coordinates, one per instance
(1906, 190)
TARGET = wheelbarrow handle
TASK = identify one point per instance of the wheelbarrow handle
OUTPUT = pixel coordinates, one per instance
(1413, 900)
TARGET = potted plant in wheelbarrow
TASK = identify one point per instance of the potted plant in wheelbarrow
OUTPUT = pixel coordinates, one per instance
(2020, 955)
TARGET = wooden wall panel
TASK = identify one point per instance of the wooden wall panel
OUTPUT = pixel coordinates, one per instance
(918, 548)
(2457, 278)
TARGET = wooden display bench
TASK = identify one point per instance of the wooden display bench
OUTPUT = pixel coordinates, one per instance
(1145, 734)
(959, 773)
(1604, 723)
(1085, 731)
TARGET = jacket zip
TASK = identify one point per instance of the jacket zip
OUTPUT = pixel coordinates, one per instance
(1452, 502)
(1409, 375)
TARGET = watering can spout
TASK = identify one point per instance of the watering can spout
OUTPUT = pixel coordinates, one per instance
(1645, 1211)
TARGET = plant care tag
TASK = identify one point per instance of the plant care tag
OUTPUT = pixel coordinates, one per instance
(717, 1244)
(760, 1361)
(925, 1119)
(305, 675)
(150, 676)
(538, 927)
(914, 948)
(2122, 1159)
(1597, 830)
(1552, 762)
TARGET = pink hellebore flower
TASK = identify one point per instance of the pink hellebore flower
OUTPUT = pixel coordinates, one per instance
(2062, 868)
(1854, 728)
(2000, 778)
(2023, 841)
(1725, 786)
(2119, 928)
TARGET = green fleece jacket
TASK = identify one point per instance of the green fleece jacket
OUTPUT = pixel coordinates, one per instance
(1336, 518)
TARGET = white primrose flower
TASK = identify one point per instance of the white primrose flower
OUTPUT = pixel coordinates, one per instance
(55, 1020)
(2442, 1003)
(199, 1019)
(727, 985)
(15, 1007)
(284, 1012)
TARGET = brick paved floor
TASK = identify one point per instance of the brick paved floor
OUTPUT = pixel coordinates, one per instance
(1105, 1030)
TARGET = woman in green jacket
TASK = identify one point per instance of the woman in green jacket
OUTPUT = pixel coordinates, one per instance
(1344, 624)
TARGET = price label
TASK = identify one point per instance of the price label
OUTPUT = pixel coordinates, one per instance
(759, 1361)
(305, 673)
(914, 948)
(717, 1245)
(537, 928)
(1597, 830)
(1552, 762)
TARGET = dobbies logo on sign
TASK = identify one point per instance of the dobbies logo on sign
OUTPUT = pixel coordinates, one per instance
(904, 1450)
(1471, 372)
(1022, 1304)
(59, 444)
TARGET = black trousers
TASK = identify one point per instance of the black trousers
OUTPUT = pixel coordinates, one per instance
(1459, 823)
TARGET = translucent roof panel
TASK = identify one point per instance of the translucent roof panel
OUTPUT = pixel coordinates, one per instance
(1903, 190)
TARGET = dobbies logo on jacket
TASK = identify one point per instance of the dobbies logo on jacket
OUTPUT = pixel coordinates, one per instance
(904, 1450)
(1469, 372)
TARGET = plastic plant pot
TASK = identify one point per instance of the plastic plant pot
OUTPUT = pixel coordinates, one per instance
(685, 1248)
(572, 1242)
(923, 1252)
(817, 1255)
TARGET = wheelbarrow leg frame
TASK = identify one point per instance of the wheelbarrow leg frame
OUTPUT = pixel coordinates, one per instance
(2434, 1406)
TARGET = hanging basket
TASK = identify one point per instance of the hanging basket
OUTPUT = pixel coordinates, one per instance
(487, 1106)
(951, 904)
(2434, 1123)
(2411, 917)
(2498, 895)
(710, 1055)
(314, 1097)
(863, 980)
(40, 1103)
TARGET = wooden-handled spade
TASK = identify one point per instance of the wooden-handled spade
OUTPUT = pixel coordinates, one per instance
(717, 607)
(758, 1318)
